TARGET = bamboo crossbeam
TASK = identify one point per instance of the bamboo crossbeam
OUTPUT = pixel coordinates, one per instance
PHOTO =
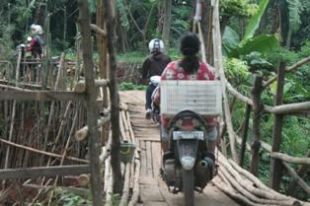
(287, 158)
(98, 30)
(42, 152)
(43, 171)
(296, 177)
(81, 86)
(41, 95)
(282, 109)
(291, 68)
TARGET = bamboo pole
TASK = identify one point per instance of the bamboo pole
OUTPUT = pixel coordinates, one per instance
(50, 154)
(64, 154)
(218, 64)
(108, 180)
(241, 181)
(81, 86)
(125, 195)
(295, 176)
(281, 109)
(290, 159)
(82, 133)
(136, 190)
(302, 170)
(52, 108)
(291, 68)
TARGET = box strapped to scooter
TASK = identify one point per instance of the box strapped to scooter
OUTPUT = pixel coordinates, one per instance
(201, 96)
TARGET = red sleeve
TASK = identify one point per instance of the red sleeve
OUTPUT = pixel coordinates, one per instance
(33, 41)
(205, 72)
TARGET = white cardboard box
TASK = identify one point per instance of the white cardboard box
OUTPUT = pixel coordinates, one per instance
(201, 96)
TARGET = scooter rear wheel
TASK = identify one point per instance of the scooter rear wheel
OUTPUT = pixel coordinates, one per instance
(188, 187)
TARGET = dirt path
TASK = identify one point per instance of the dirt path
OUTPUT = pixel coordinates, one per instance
(153, 191)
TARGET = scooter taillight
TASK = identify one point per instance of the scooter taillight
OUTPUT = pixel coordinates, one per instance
(187, 124)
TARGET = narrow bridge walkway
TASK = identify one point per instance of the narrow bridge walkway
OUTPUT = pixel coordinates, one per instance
(153, 191)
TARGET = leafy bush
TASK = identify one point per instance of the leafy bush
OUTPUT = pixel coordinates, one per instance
(125, 86)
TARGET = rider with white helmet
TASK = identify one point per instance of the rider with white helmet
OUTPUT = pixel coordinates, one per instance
(36, 41)
(154, 65)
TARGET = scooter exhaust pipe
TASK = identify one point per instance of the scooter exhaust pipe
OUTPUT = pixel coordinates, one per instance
(207, 162)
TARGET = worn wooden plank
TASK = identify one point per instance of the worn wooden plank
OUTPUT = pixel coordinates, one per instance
(151, 139)
(44, 171)
(150, 193)
(157, 203)
(143, 159)
(156, 154)
(41, 95)
(149, 159)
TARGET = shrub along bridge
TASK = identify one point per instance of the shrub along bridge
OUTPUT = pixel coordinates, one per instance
(41, 121)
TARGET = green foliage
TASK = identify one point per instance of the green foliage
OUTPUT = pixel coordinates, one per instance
(125, 86)
(255, 20)
(296, 139)
(66, 198)
(236, 71)
(237, 7)
(135, 56)
(121, 8)
(23, 11)
(295, 8)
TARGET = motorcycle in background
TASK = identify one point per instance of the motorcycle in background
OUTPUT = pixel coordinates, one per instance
(155, 80)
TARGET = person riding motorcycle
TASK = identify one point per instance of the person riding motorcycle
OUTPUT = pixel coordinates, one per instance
(36, 43)
(190, 67)
(154, 65)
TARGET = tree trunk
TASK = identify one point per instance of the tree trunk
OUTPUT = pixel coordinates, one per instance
(114, 96)
(167, 22)
(121, 35)
(276, 17)
(94, 142)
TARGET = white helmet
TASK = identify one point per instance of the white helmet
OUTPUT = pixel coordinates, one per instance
(156, 45)
(37, 29)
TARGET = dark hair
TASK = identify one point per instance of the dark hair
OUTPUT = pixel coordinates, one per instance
(189, 47)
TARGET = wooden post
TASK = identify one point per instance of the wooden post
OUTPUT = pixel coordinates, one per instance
(257, 108)
(276, 166)
(92, 109)
(102, 50)
(245, 134)
(114, 97)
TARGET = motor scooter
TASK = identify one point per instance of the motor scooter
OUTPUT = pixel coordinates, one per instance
(188, 166)
(155, 81)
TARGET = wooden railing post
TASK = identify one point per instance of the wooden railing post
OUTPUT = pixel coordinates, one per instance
(245, 134)
(257, 108)
(276, 166)
(94, 142)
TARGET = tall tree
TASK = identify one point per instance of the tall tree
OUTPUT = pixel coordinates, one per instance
(167, 7)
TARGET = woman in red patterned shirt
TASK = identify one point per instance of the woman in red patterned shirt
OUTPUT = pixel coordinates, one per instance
(190, 67)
